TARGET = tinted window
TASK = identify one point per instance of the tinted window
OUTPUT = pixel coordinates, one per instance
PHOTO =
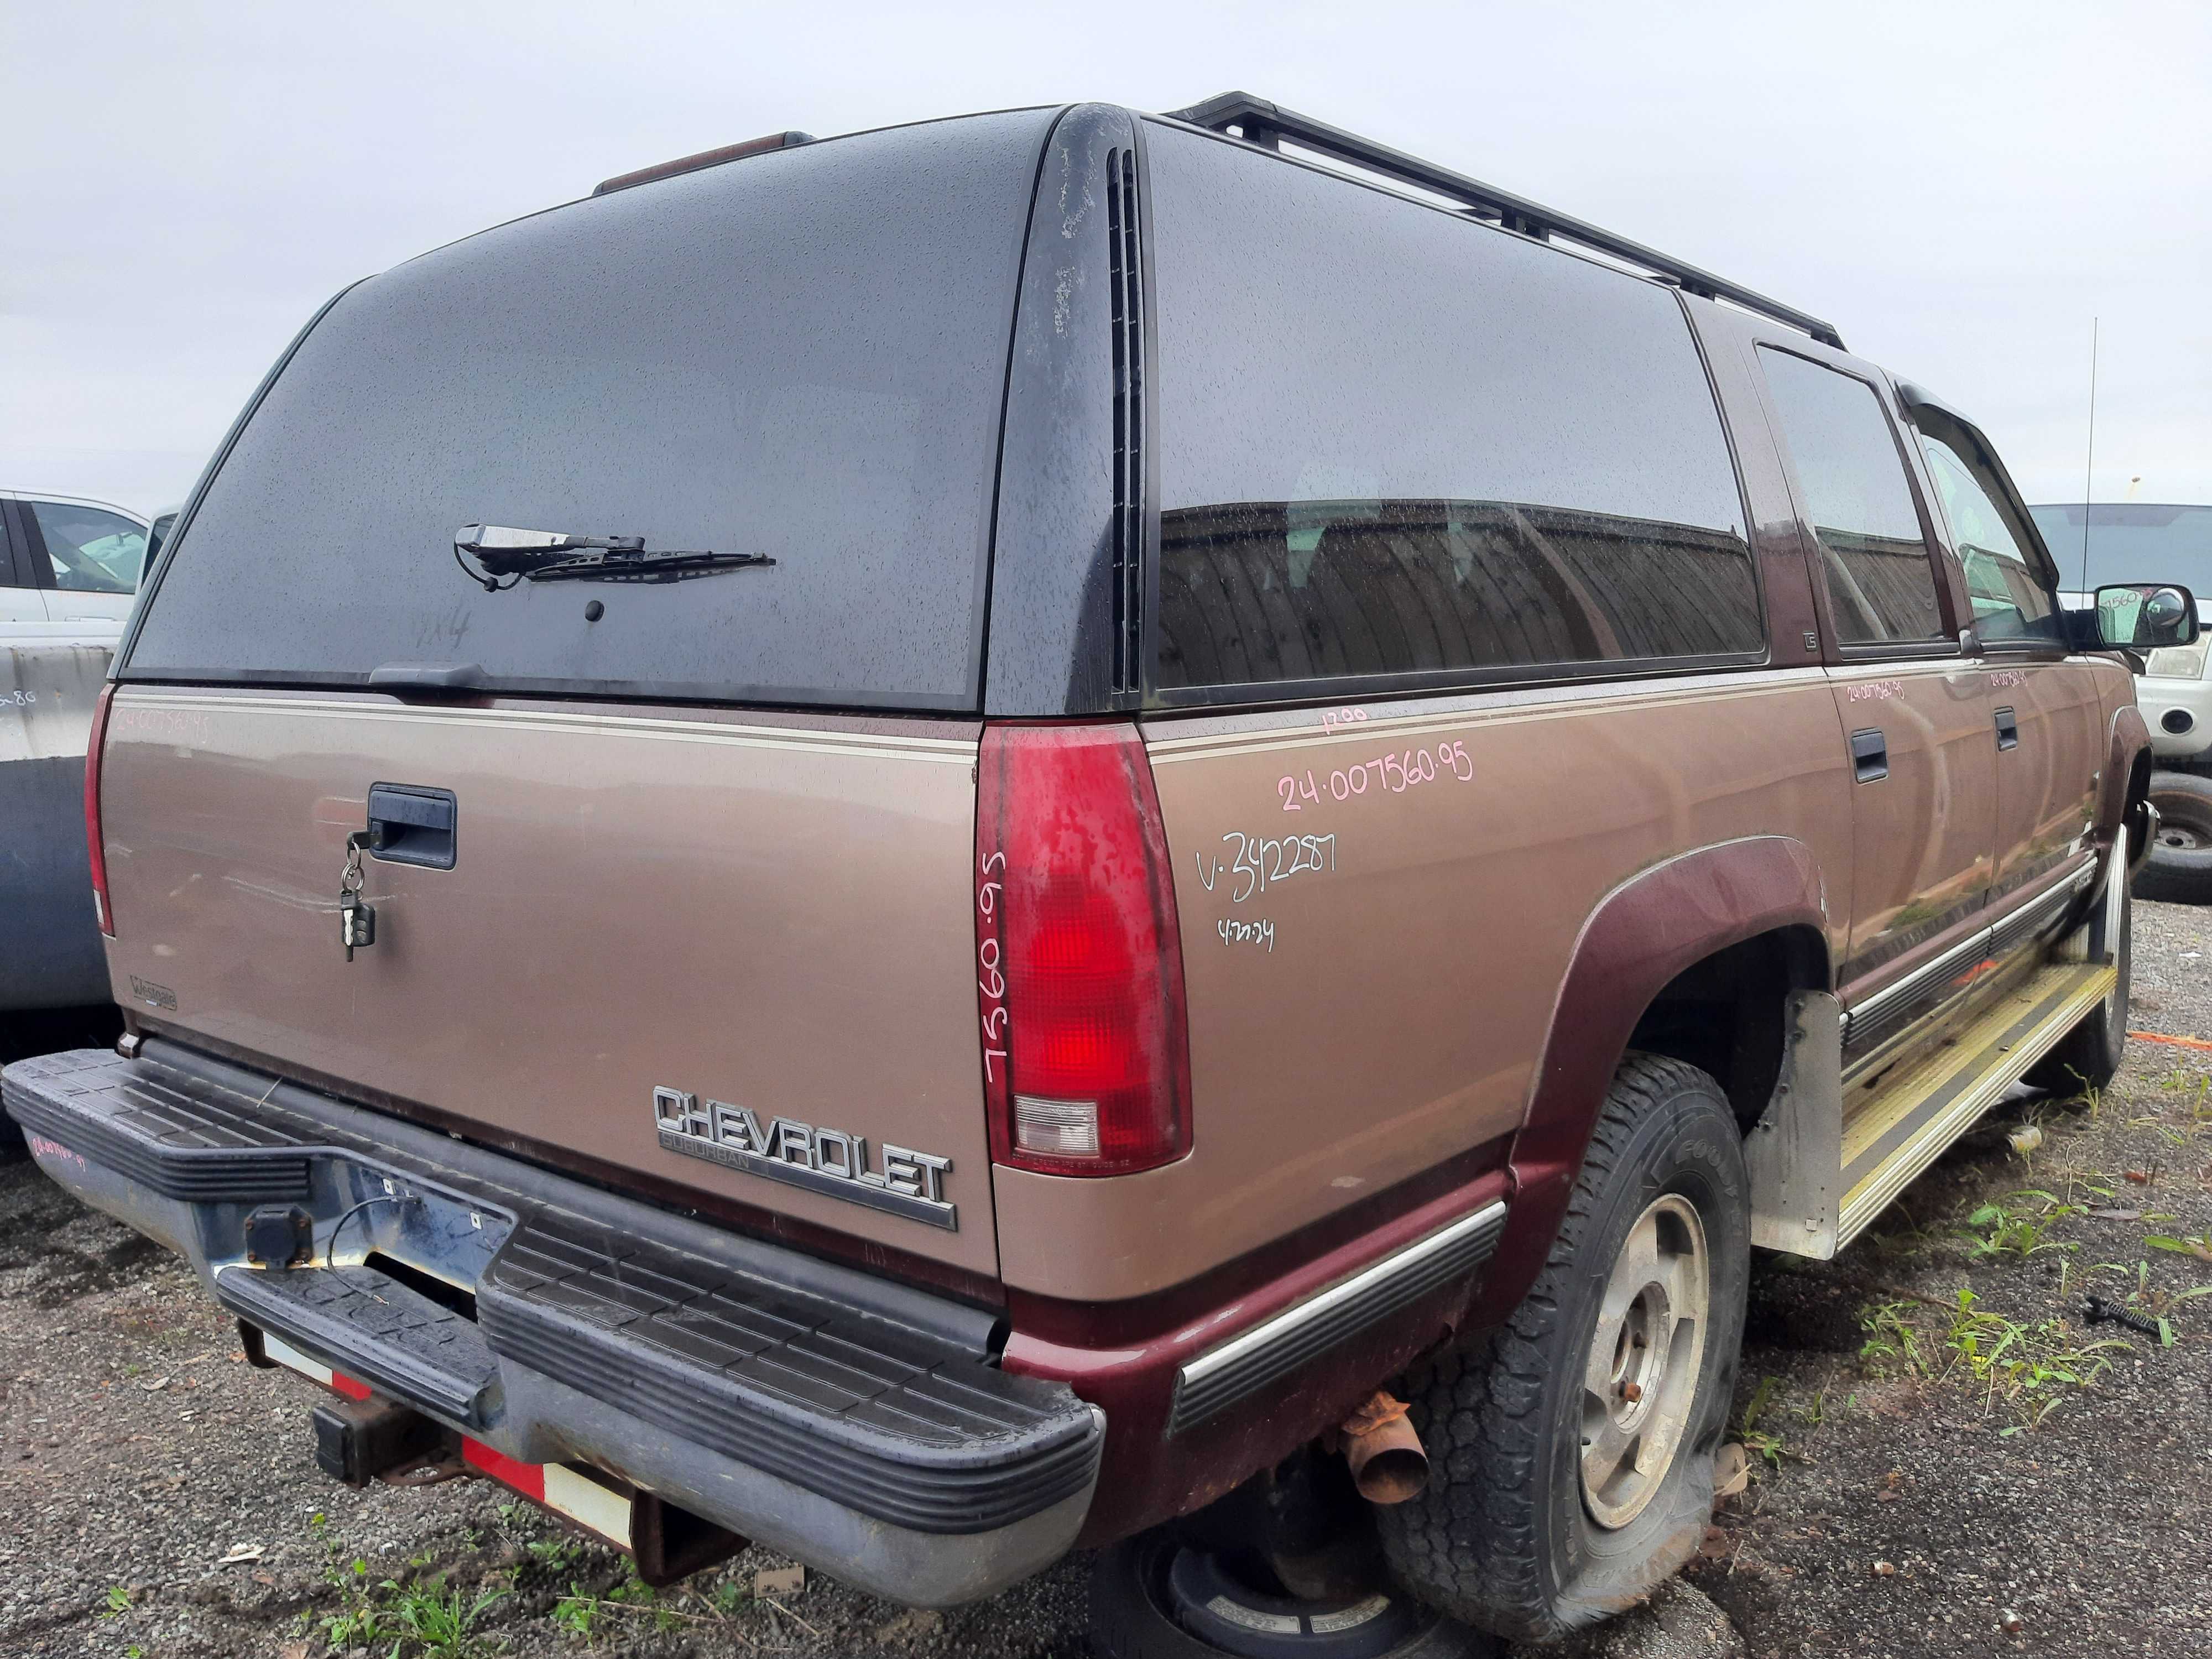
(800, 355)
(91, 552)
(1881, 585)
(2002, 584)
(1390, 442)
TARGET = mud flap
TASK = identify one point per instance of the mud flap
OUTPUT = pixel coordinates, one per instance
(1795, 1153)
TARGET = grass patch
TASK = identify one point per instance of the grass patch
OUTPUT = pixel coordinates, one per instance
(1760, 1442)
(2019, 1224)
(430, 1617)
(2024, 1369)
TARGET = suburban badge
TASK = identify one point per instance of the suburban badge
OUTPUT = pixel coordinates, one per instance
(830, 1161)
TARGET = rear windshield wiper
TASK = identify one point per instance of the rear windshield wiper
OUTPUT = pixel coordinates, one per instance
(505, 557)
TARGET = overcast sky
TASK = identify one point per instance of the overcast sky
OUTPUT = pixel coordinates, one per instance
(1961, 187)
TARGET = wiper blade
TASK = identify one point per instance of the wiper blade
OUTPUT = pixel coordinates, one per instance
(505, 557)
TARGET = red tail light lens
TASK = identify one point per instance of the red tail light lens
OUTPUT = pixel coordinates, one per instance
(1086, 1062)
(94, 845)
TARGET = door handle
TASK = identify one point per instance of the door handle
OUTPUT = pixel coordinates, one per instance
(2007, 730)
(1870, 754)
(409, 824)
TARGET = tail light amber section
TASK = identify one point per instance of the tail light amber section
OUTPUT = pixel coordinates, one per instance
(94, 845)
(1086, 1054)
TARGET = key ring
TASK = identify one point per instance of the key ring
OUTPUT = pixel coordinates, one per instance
(349, 879)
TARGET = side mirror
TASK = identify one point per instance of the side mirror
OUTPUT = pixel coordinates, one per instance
(2145, 616)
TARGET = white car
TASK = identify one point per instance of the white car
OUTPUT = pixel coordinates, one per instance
(2103, 543)
(68, 567)
(69, 575)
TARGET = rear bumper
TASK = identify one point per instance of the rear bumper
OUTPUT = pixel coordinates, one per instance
(857, 1425)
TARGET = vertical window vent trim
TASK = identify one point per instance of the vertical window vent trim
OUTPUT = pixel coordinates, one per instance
(1124, 271)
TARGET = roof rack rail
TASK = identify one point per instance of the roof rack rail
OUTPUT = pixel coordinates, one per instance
(1259, 122)
(705, 158)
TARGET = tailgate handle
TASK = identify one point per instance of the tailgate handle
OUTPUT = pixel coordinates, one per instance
(2008, 729)
(409, 824)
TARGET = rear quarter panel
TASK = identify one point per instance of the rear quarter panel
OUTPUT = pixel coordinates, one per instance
(1372, 971)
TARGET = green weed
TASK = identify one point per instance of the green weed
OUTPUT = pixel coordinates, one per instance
(2027, 1367)
(1893, 1341)
(427, 1618)
(1762, 1443)
(439, 1618)
(2198, 1244)
(2020, 1224)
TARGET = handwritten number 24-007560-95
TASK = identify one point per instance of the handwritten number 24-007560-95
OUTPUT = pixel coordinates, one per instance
(1395, 773)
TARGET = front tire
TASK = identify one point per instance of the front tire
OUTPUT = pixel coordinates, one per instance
(1572, 1447)
(2179, 868)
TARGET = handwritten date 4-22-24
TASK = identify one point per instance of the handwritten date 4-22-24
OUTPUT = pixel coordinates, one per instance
(1393, 774)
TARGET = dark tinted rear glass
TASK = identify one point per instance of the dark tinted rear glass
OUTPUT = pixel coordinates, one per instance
(801, 354)
(1394, 442)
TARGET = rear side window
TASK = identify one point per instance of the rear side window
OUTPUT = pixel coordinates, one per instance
(1881, 585)
(800, 355)
(1391, 442)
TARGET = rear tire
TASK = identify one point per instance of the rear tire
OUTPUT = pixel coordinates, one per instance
(2179, 868)
(1542, 1516)
(2089, 1056)
(1155, 1596)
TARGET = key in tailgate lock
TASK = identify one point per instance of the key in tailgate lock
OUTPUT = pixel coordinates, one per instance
(408, 824)
(356, 920)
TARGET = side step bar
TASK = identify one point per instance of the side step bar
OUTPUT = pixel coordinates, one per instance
(1906, 1128)
(1821, 1171)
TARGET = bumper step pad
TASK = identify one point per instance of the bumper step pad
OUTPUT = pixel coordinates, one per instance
(786, 1385)
(729, 1345)
(138, 1122)
(372, 1327)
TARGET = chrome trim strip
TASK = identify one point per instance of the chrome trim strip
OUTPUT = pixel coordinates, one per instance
(825, 740)
(1271, 1349)
(1890, 997)
(2037, 912)
(1462, 710)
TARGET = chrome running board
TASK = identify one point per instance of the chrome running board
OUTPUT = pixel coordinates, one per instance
(1905, 1127)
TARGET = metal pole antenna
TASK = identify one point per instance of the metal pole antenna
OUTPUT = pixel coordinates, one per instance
(2089, 467)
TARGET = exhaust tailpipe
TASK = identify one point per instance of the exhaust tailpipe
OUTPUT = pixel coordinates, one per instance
(1383, 1452)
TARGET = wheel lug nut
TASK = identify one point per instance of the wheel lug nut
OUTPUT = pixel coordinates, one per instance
(1630, 1392)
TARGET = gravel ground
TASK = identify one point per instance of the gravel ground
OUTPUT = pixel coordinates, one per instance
(164, 1500)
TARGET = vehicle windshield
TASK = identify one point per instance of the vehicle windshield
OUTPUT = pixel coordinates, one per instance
(2128, 542)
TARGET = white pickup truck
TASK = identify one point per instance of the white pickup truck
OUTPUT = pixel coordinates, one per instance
(2100, 542)
(68, 573)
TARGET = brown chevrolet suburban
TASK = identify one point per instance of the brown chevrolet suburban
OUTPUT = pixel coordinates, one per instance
(950, 844)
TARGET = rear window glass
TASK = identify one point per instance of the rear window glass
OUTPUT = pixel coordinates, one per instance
(1391, 442)
(800, 355)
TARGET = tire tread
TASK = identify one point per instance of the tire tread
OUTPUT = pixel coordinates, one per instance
(1473, 1546)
